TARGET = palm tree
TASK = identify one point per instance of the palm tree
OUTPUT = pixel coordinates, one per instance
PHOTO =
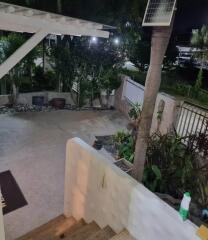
(199, 40)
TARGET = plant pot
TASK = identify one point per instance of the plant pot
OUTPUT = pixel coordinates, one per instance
(124, 165)
(38, 100)
(97, 145)
(58, 103)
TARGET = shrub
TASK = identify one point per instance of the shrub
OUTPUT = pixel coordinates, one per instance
(178, 165)
(135, 111)
(125, 144)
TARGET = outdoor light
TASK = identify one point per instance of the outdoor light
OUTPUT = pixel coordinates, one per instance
(116, 41)
(94, 39)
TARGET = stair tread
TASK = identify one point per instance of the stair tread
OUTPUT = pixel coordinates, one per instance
(70, 230)
(103, 234)
(60, 223)
(84, 232)
(124, 235)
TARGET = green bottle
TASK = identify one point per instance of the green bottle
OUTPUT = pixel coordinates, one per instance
(185, 203)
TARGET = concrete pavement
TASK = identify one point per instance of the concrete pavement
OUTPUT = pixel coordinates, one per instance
(32, 147)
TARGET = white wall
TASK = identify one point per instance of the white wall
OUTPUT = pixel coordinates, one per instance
(132, 92)
(96, 190)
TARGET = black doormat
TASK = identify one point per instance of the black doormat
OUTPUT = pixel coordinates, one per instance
(12, 196)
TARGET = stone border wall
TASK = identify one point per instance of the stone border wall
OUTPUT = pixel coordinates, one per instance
(26, 98)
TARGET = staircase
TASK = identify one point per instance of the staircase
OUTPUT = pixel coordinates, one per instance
(70, 229)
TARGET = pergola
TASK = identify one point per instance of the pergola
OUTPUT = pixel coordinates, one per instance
(22, 19)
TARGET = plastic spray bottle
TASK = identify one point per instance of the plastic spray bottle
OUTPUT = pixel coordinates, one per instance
(184, 208)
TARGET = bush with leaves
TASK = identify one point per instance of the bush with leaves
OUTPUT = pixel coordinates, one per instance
(22, 72)
(171, 166)
(135, 111)
(125, 145)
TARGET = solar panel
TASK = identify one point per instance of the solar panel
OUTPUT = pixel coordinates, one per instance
(159, 12)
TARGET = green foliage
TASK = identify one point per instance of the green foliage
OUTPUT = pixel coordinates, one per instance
(199, 38)
(62, 62)
(136, 45)
(109, 80)
(95, 68)
(198, 83)
(44, 80)
(135, 111)
(22, 72)
(126, 149)
(152, 177)
(121, 137)
(125, 144)
(171, 166)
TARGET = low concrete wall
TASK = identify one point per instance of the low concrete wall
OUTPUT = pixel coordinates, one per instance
(4, 99)
(26, 98)
(96, 190)
(170, 112)
(65, 95)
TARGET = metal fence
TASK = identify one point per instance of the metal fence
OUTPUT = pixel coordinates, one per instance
(192, 120)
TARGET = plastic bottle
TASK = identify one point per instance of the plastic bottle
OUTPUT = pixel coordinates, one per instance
(185, 203)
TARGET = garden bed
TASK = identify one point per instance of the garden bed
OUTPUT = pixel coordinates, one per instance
(110, 146)
(46, 108)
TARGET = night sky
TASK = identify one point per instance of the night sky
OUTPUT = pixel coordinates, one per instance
(191, 14)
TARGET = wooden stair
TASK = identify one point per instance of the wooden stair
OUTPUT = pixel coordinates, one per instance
(124, 235)
(69, 229)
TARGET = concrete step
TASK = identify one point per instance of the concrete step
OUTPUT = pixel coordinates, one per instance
(103, 234)
(51, 229)
(124, 235)
(84, 232)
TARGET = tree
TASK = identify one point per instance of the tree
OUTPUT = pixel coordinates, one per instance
(9, 45)
(136, 44)
(199, 40)
(62, 63)
(95, 63)
(160, 40)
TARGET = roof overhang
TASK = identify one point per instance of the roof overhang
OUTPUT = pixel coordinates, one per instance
(22, 19)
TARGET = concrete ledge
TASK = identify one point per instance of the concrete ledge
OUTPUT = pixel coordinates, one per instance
(97, 190)
(26, 98)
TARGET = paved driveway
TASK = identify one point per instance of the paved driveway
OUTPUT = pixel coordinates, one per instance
(32, 147)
